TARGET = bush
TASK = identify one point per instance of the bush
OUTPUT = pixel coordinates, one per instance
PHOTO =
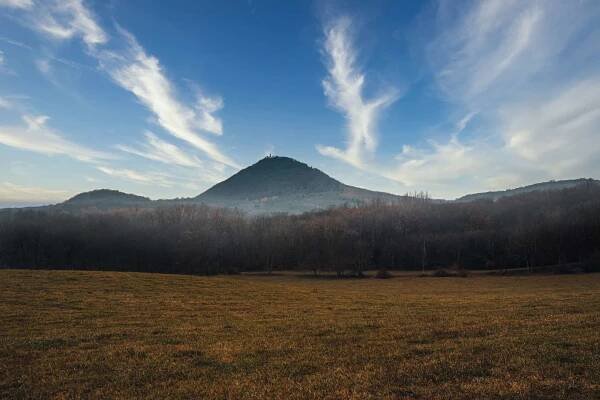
(383, 274)
(446, 273)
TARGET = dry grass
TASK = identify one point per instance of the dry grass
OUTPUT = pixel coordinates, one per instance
(129, 335)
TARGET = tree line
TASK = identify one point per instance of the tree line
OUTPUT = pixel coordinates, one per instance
(529, 230)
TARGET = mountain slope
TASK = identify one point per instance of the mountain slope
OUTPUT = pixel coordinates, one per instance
(537, 187)
(278, 185)
(272, 176)
(105, 198)
(282, 184)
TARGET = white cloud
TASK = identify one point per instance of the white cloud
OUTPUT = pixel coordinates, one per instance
(43, 65)
(159, 150)
(14, 195)
(344, 88)
(23, 4)
(5, 104)
(148, 178)
(206, 106)
(154, 178)
(456, 167)
(34, 135)
(134, 70)
(464, 121)
(15, 43)
(417, 166)
(560, 134)
(47, 57)
(525, 69)
(492, 50)
(63, 19)
(142, 75)
(479, 49)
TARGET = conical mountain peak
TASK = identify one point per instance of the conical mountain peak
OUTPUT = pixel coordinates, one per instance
(273, 176)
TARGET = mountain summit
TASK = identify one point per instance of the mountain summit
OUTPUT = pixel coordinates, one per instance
(273, 176)
(106, 195)
(272, 185)
(105, 199)
(282, 184)
(278, 185)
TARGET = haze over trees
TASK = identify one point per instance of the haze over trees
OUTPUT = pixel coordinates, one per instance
(526, 230)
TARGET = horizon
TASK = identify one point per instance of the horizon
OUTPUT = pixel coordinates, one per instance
(164, 101)
(269, 156)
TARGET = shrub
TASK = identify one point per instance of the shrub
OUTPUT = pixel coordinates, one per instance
(383, 274)
(444, 273)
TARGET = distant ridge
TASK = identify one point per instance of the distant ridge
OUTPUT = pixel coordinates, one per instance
(105, 198)
(272, 185)
(537, 187)
(278, 184)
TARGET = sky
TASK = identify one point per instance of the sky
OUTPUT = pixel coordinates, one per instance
(165, 99)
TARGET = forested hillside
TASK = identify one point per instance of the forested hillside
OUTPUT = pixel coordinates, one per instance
(533, 229)
(536, 187)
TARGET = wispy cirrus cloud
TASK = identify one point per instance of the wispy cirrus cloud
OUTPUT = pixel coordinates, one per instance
(344, 87)
(560, 133)
(483, 48)
(61, 19)
(35, 135)
(525, 69)
(205, 108)
(147, 178)
(187, 180)
(157, 149)
(141, 74)
(520, 79)
(133, 69)
(418, 167)
(19, 4)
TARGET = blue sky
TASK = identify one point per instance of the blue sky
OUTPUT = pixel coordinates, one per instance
(164, 99)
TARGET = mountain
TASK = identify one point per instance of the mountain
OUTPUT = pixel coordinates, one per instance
(105, 198)
(282, 184)
(537, 187)
(272, 185)
(279, 185)
(273, 176)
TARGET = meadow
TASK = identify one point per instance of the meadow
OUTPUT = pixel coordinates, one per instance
(98, 335)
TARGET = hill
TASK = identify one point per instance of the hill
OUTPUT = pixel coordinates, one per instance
(537, 187)
(273, 176)
(272, 185)
(282, 184)
(105, 198)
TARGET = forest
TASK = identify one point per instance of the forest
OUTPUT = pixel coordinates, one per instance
(537, 229)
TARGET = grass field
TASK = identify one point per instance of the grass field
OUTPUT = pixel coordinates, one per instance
(66, 334)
